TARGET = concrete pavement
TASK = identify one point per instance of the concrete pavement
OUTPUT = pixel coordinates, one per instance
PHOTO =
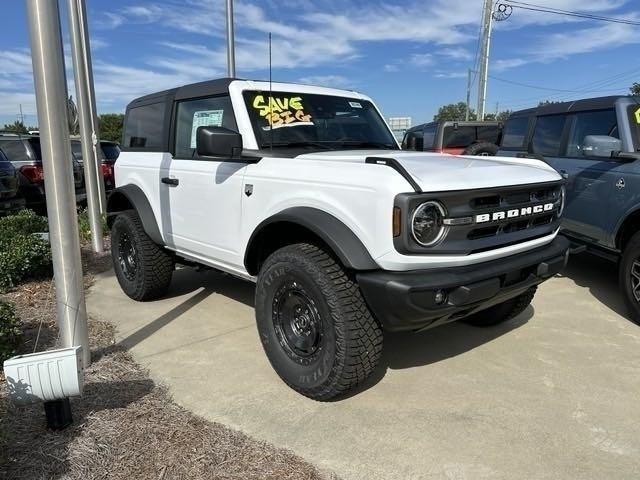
(551, 395)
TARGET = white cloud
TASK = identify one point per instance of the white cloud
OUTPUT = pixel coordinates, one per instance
(456, 53)
(421, 59)
(391, 67)
(451, 75)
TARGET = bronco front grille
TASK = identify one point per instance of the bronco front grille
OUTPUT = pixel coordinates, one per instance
(481, 220)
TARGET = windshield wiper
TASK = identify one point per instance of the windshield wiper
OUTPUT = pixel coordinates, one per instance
(367, 144)
(295, 145)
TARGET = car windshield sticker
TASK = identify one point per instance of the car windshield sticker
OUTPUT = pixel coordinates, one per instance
(282, 111)
(205, 118)
(638, 116)
(355, 105)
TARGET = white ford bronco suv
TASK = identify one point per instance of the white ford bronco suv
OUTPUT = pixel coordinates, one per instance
(305, 191)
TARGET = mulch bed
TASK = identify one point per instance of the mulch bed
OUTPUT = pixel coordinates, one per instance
(125, 425)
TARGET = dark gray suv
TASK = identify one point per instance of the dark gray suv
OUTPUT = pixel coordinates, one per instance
(23, 151)
(595, 144)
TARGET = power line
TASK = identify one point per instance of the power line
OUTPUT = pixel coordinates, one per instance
(589, 16)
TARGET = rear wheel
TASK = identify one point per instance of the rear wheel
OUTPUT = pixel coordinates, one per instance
(629, 277)
(143, 268)
(483, 149)
(502, 312)
(314, 325)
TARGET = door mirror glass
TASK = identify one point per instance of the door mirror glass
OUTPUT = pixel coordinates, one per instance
(218, 142)
(601, 146)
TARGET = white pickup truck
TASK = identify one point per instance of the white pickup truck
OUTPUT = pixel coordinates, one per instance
(305, 191)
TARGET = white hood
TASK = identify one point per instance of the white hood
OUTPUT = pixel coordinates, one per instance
(441, 172)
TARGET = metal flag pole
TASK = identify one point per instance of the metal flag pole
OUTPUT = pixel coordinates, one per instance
(231, 47)
(51, 98)
(81, 54)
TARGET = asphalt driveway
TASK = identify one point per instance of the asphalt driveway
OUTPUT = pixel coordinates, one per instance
(552, 394)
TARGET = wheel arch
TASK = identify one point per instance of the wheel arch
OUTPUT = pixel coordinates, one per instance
(131, 197)
(306, 224)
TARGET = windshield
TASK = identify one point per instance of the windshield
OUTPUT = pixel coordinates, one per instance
(300, 120)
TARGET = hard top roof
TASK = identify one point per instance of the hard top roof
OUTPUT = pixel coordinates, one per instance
(460, 123)
(200, 89)
(572, 106)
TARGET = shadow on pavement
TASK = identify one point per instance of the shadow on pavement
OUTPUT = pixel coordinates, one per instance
(416, 349)
(600, 276)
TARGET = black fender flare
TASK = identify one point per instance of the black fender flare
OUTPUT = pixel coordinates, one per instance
(134, 196)
(332, 231)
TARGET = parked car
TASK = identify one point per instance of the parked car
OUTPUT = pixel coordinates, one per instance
(109, 152)
(595, 144)
(10, 199)
(304, 191)
(23, 151)
(456, 138)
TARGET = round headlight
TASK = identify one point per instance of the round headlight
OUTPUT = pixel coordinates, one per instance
(563, 197)
(427, 224)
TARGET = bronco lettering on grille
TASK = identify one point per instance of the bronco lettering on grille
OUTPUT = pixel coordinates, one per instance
(515, 213)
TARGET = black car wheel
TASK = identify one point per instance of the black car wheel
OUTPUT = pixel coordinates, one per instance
(143, 268)
(314, 325)
(629, 277)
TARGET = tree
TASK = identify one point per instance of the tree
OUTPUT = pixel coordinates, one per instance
(17, 127)
(110, 125)
(501, 117)
(635, 89)
(454, 112)
(547, 102)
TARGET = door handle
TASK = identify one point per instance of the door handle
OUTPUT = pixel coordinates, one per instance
(564, 174)
(173, 182)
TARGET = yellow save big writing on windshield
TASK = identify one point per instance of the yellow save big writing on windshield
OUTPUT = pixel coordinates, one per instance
(281, 111)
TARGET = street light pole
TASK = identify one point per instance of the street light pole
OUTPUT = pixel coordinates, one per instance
(466, 115)
(487, 24)
(51, 97)
(231, 47)
(81, 54)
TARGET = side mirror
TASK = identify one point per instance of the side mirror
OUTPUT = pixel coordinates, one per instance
(218, 142)
(601, 146)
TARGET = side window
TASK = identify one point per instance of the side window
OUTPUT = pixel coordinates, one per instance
(489, 134)
(14, 150)
(144, 128)
(458, 137)
(429, 136)
(515, 131)
(191, 114)
(602, 122)
(547, 137)
(413, 141)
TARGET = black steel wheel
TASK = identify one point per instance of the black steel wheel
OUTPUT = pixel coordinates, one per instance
(314, 325)
(629, 277)
(143, 269)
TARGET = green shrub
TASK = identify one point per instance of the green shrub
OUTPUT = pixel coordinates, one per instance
(10, 332)
(22, 254)
(84, 226)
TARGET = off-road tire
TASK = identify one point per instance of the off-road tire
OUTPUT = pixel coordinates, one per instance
(481, 149)
(630, 255)
(503, 311)
(351, 344)
(154, 265)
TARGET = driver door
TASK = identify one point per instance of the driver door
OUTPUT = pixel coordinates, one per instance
(203, 195)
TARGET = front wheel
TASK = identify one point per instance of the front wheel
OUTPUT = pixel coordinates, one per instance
(143, 268)
(503, 311)
(314, 325)
(629, 277)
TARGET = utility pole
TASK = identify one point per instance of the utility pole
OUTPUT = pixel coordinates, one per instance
(487, 24)
(231, 47)
(81, 54)
(21, 115)
(51, 97)
(466, 115)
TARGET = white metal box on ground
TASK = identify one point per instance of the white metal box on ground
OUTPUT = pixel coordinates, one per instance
(45, 376)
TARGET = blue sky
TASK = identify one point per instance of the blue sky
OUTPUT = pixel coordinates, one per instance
(411, 56)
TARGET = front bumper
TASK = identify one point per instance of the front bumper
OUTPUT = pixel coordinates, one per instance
(406, 300)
